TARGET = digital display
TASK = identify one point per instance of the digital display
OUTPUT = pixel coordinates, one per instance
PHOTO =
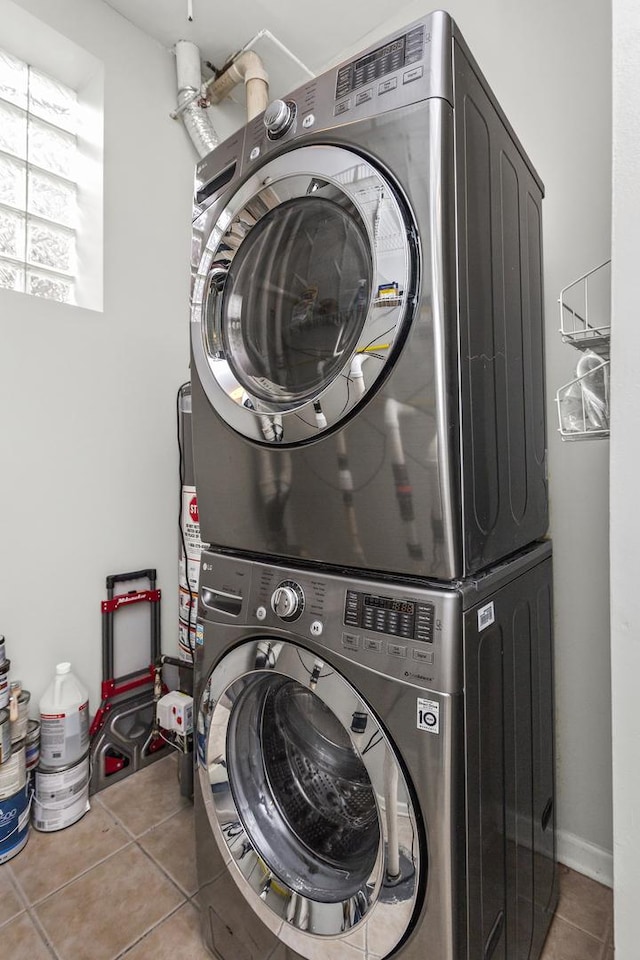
(374, 65)
(382, 61)
(385, 603)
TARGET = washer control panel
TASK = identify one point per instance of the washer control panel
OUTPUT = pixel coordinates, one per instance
(401, 630)
(398, 617)
(278, 117)
(287, 601)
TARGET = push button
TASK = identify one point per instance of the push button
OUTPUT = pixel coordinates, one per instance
(388, 85)
(411, 75)
(364, 96)
(424, 656)
(341, 108)
(350, 641)
(396, 650)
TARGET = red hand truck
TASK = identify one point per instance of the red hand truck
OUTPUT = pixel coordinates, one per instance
(123, 733)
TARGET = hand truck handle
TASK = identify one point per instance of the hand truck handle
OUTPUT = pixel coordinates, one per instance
(114, 578)
(107, 619)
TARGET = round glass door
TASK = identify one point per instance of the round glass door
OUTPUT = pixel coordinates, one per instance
(305, 798)
(295, 299)
(318, 830)
(301, 294)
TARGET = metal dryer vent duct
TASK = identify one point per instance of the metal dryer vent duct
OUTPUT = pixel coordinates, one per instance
(246, 66)
(194, 97)
(190, 105)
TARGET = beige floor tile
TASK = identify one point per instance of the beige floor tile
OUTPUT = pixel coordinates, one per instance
(177, 937)
(566, 942)
(393, 922)
(100, 914)
(585, 903)
(146, 798)
(10, 902)
(50, 860)
(172, 845)
(22, 941)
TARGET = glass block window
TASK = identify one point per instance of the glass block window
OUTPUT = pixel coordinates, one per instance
(38, 182)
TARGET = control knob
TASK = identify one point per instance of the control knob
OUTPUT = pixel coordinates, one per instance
(287, 601)
(278, 117)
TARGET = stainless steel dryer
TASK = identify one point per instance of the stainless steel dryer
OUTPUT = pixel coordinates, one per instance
(367, 337)
(374, 764)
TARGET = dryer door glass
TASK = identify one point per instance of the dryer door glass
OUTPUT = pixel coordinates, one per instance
(302, 293)
(307, 801)
(296, 297)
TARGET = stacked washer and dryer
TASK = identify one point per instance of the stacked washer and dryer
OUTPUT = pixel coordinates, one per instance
(374, 659)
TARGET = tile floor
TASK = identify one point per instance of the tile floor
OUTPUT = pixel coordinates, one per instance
(121, 883)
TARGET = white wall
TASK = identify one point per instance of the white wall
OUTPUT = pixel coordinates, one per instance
(549, 64)
(625, 464)
(88, 484)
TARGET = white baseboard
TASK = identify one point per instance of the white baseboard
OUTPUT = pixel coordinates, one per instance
(585, 857)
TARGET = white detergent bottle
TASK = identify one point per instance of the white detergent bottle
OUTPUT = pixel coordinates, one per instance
(64, 719)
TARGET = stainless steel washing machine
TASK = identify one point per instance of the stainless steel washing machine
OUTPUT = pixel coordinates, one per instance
(374, 764)
(367, 336)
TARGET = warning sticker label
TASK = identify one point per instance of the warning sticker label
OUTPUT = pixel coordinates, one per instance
(191, 523)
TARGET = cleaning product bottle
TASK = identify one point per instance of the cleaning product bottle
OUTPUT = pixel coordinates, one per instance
(64, 719)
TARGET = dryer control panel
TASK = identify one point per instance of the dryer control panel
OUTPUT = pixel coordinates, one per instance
(407, 68)
(366, 71)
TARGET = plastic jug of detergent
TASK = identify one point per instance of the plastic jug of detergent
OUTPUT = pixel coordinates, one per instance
(64, 719)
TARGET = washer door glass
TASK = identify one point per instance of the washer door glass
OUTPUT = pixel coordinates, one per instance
(301, 291)
(308, 805)
(307, 801)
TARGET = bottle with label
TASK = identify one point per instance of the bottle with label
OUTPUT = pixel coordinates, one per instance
(64, 719)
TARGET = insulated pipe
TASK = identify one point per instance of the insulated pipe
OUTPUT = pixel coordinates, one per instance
(194, 116)
(248, 68)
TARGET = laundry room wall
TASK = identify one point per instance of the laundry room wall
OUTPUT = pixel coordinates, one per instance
(89, 466)
(549, 64)
(625, 468)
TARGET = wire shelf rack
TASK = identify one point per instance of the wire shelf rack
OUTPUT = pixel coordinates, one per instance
(585, 310)
(583, 403)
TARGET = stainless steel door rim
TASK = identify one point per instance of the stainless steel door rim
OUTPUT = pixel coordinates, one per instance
(308, 851)
(301, 293)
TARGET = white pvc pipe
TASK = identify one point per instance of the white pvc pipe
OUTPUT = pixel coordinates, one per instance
(247, 68)
(257, 96)
(278, 43)
(391, 813)
(356, 375)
